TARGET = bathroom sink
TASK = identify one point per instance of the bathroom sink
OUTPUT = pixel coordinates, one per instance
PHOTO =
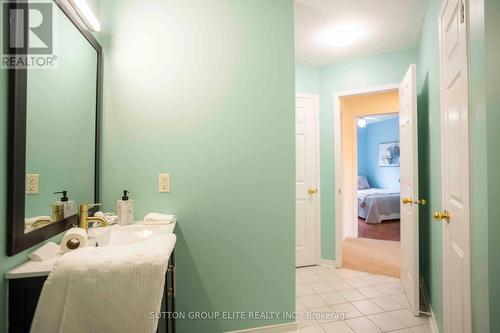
(122, 235)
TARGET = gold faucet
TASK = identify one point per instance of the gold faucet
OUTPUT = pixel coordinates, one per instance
(85, 218)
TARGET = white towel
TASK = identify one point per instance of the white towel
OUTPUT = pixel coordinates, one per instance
(44, 252)
(105, 289)
(159, 218)
(109, 217)
(31, 220)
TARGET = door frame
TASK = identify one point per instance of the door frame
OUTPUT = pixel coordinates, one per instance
(315, 97)
(337, 142)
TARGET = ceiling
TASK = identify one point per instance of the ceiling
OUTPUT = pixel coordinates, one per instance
(381, 26)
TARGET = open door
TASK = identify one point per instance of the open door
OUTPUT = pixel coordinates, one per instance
(455, 164)
(306, 198)
(409, 188)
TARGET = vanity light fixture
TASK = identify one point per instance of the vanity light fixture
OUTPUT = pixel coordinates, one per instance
(86, 14)
(362, 122)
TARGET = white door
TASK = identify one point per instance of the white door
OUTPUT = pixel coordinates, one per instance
(306, 149)
(455, 168)
(409, 188)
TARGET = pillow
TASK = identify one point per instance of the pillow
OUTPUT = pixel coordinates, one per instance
(363, 183)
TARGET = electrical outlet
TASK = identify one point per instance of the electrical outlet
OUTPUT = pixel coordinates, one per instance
(32, 183)
(164, 182)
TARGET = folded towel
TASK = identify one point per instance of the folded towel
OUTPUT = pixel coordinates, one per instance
(159, 218)
(106, 289)
(109, 217)
(31, 220)
(44, 252)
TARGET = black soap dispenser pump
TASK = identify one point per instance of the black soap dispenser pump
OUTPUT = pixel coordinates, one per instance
(125, 209)
(69, 205)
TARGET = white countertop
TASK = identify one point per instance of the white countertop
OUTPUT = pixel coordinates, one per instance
(43, 268)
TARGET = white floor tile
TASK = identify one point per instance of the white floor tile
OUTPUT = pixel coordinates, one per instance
(328, 276)
(367, 307)
(347, 311)
(385, 322)
(387, 303)
(312, 329)
(304, 319)
(332, 298)
(337, 300)
(362, 325)
(304, 290)
(340, 285)
(311, 279)
(324, 315)
(304, 271)
(357, 282)
(370, 292)
(401, 299)
(337, 327)
(312, 301)
(299, 305)
(345, 273)
(407, 318)
(422, 329)
(352, 295)
(393, 288)
(320, 287)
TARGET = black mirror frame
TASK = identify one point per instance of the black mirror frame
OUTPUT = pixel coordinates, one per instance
(17, 239)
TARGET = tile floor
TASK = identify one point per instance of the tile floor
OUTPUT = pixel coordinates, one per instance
(342, 300)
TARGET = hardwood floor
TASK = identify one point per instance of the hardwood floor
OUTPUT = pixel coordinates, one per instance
(387, 230)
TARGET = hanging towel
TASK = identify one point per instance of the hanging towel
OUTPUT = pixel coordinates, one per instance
(106, 289)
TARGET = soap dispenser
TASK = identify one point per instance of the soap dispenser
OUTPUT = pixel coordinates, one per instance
(125, 209)
(68, 205)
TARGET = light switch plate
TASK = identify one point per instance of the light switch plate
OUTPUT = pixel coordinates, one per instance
(32, 183)
(164, 182)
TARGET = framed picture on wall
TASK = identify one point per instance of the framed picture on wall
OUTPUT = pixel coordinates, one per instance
(388, 154)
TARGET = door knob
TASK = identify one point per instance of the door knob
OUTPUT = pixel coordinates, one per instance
(422, 202)
(312, 191)
(407, 201)
(439, 216)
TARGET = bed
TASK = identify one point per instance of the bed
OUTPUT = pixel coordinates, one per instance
(376, 205)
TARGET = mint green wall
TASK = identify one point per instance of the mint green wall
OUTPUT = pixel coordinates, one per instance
(492, 121)
(204, 90)
(480, 184)
(306, 79)
(429, 158)
(359, 73)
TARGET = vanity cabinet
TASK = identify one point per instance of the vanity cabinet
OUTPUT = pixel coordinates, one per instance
(25, 292)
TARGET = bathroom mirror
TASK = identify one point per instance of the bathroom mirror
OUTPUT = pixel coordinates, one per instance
(54, 133)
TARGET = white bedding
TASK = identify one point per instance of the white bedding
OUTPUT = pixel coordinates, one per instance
(362, 194)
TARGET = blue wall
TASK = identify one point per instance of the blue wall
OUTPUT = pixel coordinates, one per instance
(369, 139)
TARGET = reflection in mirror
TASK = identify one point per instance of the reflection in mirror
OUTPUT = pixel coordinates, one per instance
(61, 129)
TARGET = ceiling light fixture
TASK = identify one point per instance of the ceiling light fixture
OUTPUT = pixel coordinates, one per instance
(362, 123)
(340, 36)
(86, 14)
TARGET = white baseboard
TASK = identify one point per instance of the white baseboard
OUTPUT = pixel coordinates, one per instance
(279, 328)
(432, 318)
(328, 263)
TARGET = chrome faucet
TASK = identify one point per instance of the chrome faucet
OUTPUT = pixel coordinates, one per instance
(85, 218)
